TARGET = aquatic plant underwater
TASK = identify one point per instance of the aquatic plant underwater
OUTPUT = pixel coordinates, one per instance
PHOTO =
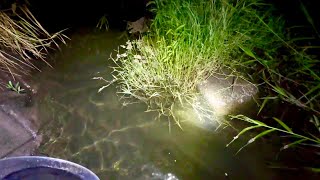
(189, 41)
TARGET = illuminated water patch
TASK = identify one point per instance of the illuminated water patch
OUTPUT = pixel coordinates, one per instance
(219, 95)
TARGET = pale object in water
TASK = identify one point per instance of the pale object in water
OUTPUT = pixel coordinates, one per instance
(139, 26)
(226, 92)
(219, 95)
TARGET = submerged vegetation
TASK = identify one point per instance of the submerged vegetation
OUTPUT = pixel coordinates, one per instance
(190, 40)
(22, 40)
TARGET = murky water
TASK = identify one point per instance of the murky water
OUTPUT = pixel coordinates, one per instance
(124, 142)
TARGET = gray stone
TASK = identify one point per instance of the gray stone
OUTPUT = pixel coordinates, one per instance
(18, 125)
(12, 134)
(219, 95)
(225, 92)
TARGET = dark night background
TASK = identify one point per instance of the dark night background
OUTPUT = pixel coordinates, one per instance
(55, 15)
(60, 14)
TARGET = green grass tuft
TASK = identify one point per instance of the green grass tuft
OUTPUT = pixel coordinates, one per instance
(188, 41)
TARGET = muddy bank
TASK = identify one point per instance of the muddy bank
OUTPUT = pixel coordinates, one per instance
(19, 123)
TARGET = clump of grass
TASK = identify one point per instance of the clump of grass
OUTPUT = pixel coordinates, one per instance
(23, 39)
(295, 80)
(292, 77)
(299, 139)
(188, 41)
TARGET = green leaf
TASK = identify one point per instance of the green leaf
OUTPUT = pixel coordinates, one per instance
(247, 129)
(256, 137)
(248, 62)
(283, 124)
(248, 52)
(280, 91)
(180, 27)
(316, 121)
(243, 131)
(169, 32)
(316, 170)
(261, 134)
(247, 119)
(258, 122)
(292, 144)
(150, 3)
(17, 85)
(315, 137)
(312, 90)
(264, 103)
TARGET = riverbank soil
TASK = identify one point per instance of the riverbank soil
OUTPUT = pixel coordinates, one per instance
(18, 119)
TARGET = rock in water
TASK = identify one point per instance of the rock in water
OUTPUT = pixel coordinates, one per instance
(139, 26)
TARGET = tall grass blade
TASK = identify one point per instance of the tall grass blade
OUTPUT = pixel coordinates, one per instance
(265, 101)
(283, 124)
(292, 144)
(248, 52)
(315, 137)
(309, 18)
(242, 132)
(256, 137)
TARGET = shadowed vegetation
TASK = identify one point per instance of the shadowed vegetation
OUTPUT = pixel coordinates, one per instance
(289, 83)
(22, 40)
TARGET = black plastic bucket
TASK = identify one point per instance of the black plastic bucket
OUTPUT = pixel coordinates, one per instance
(42, 168)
